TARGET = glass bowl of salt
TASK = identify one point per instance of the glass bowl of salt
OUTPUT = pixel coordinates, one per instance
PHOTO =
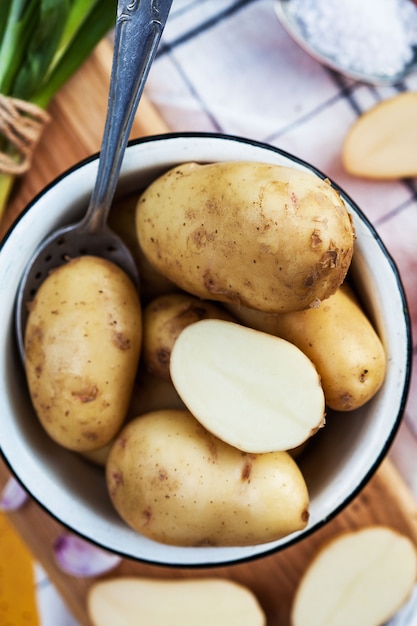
(373, 41)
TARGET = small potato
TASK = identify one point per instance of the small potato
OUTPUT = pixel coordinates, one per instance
(264, 236)
(163, 320)
(340, 341)
(122, 220)
(100, 455)
(175, 483)
(150, 393)
(82, 345)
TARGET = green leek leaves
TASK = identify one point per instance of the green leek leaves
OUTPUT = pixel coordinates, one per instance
(42, 43)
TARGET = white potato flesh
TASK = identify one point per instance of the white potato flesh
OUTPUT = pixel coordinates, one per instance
(361, 577)
(151, 602)
(256, 392)
(381, 144)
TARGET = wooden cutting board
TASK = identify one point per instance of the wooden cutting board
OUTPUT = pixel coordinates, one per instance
(75, 132)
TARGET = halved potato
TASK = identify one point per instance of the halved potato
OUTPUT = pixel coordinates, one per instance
(381, 144)
(157, 602)
(361, 577)
(256, 392)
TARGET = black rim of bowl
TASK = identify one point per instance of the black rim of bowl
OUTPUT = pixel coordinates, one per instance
(407, 375)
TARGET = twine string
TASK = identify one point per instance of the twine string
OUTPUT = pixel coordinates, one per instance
(21, 124)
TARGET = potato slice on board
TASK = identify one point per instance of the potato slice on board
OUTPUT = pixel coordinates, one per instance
(381, 144)
(361, 577)
(156, 602)
(256, 392)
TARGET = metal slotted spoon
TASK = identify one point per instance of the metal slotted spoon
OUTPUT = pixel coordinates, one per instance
(138, 29)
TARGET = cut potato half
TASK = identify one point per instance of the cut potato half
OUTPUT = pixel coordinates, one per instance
(154, 602)
(381, 144)
(361, 577)
(256, 392)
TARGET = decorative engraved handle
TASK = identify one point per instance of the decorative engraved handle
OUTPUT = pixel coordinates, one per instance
(126, 10)
(139, 26)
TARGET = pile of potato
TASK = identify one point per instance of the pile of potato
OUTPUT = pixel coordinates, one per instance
(195, 396)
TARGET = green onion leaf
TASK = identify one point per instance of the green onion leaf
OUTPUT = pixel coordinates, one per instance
(19, 26)
(42, 47)
(101, 18)
(42, 43)
(4, 14)
(80, 13)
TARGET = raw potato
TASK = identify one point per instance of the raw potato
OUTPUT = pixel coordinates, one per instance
(122, 220)
(361, 577)
(100, 455)
(82, 344)
(158, 602)
(150, 393)
(381, 144)
(265, 236)
(257, 392)
(340, 341)
(163, 320)
(175, 483)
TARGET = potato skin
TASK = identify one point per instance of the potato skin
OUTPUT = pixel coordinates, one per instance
(340, 341)
(163, 476)
(264, 236)
(122, 220)
(82, 346)
(149, 393)
(163, 320)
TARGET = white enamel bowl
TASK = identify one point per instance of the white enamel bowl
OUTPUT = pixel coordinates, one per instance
(346, 453)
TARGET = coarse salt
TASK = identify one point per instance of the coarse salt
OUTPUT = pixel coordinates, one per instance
(366, 36)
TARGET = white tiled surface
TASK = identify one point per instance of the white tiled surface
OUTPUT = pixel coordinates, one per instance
(228, 66)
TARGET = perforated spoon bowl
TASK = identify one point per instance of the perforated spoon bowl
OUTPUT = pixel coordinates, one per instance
(138, 29)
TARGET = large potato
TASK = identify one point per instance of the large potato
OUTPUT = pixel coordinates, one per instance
(264, 236)
(339, 339)
(172, 481)
(82, 346)
(163, 320)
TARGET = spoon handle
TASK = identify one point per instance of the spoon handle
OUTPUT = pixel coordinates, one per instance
(138, 29)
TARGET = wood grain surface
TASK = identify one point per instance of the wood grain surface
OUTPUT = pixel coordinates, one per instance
(75, 132)
(385, 500)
